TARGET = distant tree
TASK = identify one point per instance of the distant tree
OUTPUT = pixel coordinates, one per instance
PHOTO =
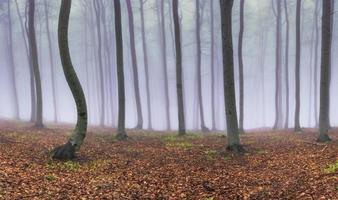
(75, 141)
(315, 71)
(297, 67)
(51, 60)
(134, 65)
(229, 81)
(287, 87)
(199, 67)
(179, 82)
(12, 67)
(146, 65)
(325, 72)
(212, 65)
(240, 65)
(35, 63)
(121, 132)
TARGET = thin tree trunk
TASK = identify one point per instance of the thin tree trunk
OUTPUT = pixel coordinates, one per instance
(315, 72)
(51, 59)
(34, 58)
(287, 86)
(12, 63)
(199, 70)
(212, 65)
(146, 65)
(135, 67)
(240, 65)
(229, 82)
(325, 72)
(165, 66)
(121, 133)
(179, 82)
(297, 68)
(67, 151)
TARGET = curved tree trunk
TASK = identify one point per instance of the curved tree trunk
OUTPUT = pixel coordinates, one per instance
(240, 65)
(135, 67)
(67, 151)
(297, 68)
(34, 60)
(229, 81)
(146, 65)
(121, 132)
(325, 72)
(179, 82)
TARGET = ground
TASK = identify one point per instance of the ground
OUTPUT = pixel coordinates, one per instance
(154, 165)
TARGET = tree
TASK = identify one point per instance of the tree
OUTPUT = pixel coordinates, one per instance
(315, 71)
(297, 68)
(51, 60)
(134, 64)
(199, 70)
(12, 63)
(146, 65)
(34, 60)
(179, 82)
(240, 65)
(121, 132)
(287, 87)
(212, 65)
(74, 143)
(229, 82)
(325, 72)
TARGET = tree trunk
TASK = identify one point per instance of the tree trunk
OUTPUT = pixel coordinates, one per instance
(51, 59)
(179, 82)
(34, 60)
(135, 67)
(165, 65)
(315, 71)
(97, 9)
(297, 68)
(229, 82)
(325, 72)
(121, 134)
(240, 65)
(67, 151)
(199, 70)
(212, 65)
(146, 65)
(12, 63)
(287, 87)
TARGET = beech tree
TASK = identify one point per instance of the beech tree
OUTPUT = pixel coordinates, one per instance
(297, 67)
(75, 141)
(287, 86)
(240, 65)
(229, 81)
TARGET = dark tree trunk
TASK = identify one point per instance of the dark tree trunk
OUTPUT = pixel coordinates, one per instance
(229, 82)
(325, 72)
(51, 59)
(67, 151)
(179, 82)
(135, 67)
(240, 65)
(199, 70)
(212, 65)
(12, 63)
(97, 9)
(287, 87)
(34, 60)
(146, 65)
(297, 68)
(121, 134)
(165, 65)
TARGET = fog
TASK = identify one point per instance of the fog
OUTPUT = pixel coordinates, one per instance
(259, 46)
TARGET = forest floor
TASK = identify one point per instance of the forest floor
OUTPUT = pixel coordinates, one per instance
(155, 165)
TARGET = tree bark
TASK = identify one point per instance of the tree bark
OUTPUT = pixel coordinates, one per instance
(146, 65)
(34, 60)
(121, 133)
(67, 151)
(51, 59)
(240, 65)
(297, 68)
(325, 72)
(229, 82)
(135, 67)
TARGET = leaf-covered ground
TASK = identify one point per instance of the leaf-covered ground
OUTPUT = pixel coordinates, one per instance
(151, 165)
